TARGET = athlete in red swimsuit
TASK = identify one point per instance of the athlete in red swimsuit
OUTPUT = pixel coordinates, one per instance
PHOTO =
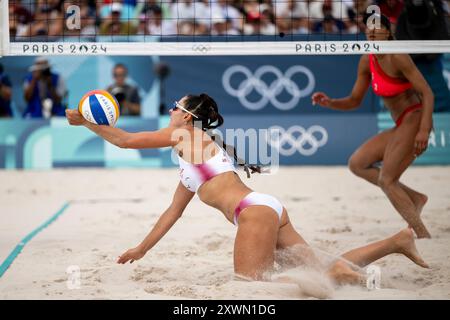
(410, 100)
(386, 86)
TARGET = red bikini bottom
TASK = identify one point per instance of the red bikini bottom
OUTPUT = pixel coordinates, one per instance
(412, 108)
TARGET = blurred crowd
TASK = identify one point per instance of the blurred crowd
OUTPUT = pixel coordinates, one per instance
(48, 18)
(45, 92)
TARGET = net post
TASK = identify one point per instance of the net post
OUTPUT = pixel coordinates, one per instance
(4, 28)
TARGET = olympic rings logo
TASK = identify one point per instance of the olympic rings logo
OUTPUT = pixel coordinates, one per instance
(297, 138)
(201, 48)
(268, 92)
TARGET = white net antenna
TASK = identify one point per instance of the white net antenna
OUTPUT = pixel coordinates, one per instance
(4, 28)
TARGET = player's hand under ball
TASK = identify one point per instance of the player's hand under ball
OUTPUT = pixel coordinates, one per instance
(75, 118)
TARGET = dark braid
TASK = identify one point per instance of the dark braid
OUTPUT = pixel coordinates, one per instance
(205, 108)
(207, 111)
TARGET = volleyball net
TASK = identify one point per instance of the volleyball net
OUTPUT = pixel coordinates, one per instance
(219, 27)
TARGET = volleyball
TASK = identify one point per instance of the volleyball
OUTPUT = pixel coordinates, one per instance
(99, 107)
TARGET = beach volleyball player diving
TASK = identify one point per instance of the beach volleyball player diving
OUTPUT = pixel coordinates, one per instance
(410, 100)
(207, 168)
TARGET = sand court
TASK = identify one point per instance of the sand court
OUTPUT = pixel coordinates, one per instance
(110, 211)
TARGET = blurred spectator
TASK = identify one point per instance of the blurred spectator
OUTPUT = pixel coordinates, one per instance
(219, 26)
(329, 25)
(191, 18)
(114, 26)
(318, 9)
(105, 8)
(21, 13)
(351, 25)
(203, 17)
(13, 23)
(147, 6)
(234, 18)
(126, 94)
(426, 20)
(259, 19)
(44, 91)
(391, 9)
(252, 24)
(89, 27)
(356, 15)
(130, 2)
(142, 28)
(156, 25)
(223, 27)
(20, 19)
(48, 19)
(446, 7)
(5, 94)
(252, 14)
(292, 16)
(251, 7)
(422, 20)
(267, 21)
(230, 27)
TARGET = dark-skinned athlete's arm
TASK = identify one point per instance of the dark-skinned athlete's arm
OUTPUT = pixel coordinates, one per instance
(357, 94)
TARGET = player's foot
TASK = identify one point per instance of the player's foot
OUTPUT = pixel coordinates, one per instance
(404, 241)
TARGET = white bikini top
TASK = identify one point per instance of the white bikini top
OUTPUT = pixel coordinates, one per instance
(192, 176)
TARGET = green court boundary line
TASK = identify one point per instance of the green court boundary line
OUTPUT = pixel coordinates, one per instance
(13, 255)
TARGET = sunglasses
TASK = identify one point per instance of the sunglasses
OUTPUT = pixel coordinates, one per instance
(176, 106)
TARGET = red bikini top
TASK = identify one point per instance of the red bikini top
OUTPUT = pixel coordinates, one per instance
(384, 85)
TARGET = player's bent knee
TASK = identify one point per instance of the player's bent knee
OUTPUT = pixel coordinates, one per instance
(385, 182)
